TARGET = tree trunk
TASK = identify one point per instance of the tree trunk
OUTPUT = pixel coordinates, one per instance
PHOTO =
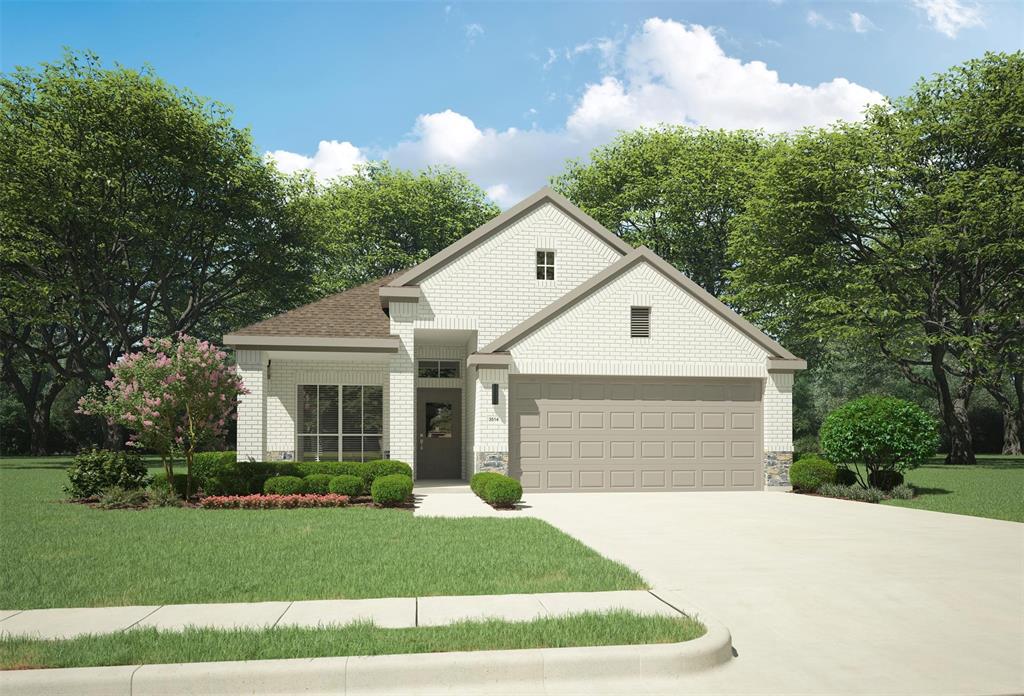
(953, 409)
(36, 396)
(1013, 413)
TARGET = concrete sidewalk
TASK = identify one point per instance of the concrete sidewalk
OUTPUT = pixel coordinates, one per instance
(394, 612)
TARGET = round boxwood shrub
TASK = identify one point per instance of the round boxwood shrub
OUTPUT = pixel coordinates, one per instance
(393, 489)
(503, 491)
(881, 433)
(387, 467)
(810, 472)
(478, 482)
(346, 485)
(885, 479)
(317, 483)
(284, 485)
(845, 477)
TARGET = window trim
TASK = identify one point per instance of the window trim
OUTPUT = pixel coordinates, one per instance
(645, 317)
(436, 364)
(545, 265)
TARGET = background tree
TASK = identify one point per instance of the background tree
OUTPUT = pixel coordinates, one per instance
(380, 220)
(674, 189)
(903, 232)
(128, 207)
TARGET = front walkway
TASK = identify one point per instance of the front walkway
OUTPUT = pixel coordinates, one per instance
(451, 498)
(393, 612)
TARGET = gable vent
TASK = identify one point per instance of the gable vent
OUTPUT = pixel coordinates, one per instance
(639, 322)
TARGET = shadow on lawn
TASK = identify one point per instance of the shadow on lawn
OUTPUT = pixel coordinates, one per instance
(923, 490)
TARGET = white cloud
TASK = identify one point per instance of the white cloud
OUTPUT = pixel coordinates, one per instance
(861, 23)
(552, 59)
(473, 32)
(332, 158)
(816, 19)
(671, 73)
(950, 16)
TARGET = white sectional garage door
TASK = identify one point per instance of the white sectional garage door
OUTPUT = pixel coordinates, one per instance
(635, 434)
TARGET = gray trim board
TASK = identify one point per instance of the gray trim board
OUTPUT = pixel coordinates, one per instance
(639, 255)
(545, 195)
(492, 360)
(313, 343)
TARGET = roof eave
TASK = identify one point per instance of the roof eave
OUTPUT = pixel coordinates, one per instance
(342, 344)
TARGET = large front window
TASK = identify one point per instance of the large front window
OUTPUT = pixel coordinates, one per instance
(359, 429)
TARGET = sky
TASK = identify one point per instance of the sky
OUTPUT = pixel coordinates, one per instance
(508, 92)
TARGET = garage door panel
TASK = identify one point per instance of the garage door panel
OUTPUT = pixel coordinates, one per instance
(639, 434)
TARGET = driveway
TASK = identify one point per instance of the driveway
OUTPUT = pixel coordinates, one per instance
(824, 596)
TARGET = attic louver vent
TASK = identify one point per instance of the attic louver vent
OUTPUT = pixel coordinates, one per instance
(639, 322)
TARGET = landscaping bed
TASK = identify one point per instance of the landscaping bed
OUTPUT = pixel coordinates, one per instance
(150, 646)
(61, 555)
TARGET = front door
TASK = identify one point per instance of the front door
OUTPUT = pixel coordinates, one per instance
(439, 433)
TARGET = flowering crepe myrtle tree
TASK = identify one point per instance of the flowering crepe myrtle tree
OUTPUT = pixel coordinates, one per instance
(172, 396)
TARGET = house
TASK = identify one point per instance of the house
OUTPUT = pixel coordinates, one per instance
(541, 345)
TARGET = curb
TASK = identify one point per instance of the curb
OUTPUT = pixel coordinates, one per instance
(534, 668)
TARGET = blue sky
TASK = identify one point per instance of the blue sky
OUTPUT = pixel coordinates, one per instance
(507, 91)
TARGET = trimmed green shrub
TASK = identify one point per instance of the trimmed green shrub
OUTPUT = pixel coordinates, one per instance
(117, 497)
(885, 479)
(387, 467)
(497, 489)
(160, 483)
(881, 433)
(346, 485)
(391, 490)
(217, 473)
(810, 472)
(284, 485)
(255, 474)
(332, 468)
(845, 477)
(902, 492)
(317, 483)
(95, 470)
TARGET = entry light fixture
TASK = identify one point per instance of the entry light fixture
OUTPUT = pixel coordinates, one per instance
(494, 394)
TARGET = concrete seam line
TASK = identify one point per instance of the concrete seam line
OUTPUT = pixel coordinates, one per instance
(19, 611)
(142, 619)
(283, 613)
(131, 680)
(416, 612)
(666, 603)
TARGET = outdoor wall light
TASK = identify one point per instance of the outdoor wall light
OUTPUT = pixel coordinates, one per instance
(494, 394)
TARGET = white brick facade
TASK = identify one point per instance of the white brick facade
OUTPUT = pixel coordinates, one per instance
(489, 289)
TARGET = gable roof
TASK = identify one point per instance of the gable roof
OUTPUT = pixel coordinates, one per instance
(353, 313)
(637, 256)
(516, 212)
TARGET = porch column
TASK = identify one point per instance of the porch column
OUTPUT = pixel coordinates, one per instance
(490, 444)
(402, 386)
(778, 429)
(251, 433)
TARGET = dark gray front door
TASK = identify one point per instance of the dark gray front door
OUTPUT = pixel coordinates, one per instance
(439, 433)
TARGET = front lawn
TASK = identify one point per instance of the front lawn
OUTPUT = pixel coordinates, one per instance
(994, 487)
(149, 646)
(58, 554)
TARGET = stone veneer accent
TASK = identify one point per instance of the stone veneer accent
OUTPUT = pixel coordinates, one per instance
(776, 469)
(492, 461)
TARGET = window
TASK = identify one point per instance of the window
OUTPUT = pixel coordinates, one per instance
(318, 422)
(361, 423)
(639, 322)
(545, 265)
(439, 420)
(445, 369)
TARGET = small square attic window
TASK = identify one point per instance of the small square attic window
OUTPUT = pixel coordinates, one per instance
(545, 265)
(639, 322)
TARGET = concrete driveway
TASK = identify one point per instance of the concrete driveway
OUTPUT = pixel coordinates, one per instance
(824, 596)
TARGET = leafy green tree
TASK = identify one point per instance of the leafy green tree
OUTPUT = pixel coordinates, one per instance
(129, 207)
(380, 220)
(904, 232)
(674, 189)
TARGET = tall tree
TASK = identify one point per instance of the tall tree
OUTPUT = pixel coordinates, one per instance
(674, 189)
(129, 207)
(379, 220)
(905, 231)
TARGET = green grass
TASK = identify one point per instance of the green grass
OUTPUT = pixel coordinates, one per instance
(58, 554)
(994, 487)
(150, 646)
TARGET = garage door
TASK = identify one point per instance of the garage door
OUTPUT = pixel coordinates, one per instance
(599, 433)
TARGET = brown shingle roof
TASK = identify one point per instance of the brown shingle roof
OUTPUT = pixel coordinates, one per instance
(356, 312)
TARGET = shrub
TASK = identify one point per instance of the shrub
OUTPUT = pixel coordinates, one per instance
(118, 497)
(163, 496)
(880, 432)
(865, 495)
(317, 483)
(255, 474)
(810, 472)
(93, 471)
(885, 479)
(392, 489)
(272, 502)
(160, 483)
(331, 468)
(497, 489)
(387, 467)
(902, 492)
(845, 477)
(217, 473)
(284, 485)
(346, 485)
